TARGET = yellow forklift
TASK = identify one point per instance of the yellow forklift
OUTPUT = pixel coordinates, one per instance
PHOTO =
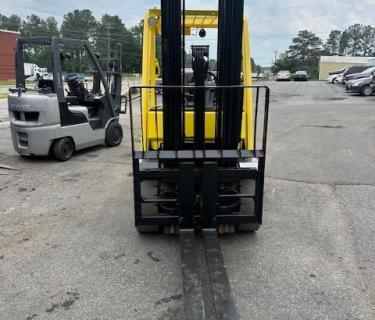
(199, 143)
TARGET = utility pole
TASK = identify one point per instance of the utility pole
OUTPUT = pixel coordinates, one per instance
(275, 52)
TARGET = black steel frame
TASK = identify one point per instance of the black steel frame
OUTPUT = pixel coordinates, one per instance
(206, 168)
(66, 116)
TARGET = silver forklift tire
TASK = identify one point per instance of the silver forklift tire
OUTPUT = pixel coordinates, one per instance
(113, 134)
(63, 149)
(248, 227)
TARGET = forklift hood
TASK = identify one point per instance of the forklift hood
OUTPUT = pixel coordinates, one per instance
(33, 109)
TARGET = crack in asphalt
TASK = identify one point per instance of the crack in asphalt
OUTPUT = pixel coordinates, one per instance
(335, 184)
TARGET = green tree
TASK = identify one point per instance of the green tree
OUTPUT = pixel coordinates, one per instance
(79, 24)
(111, 31)
(256, 68)
(212, 65)
(253, 65)
(306, 47)
(137, 32)
(368, 41)
(332, 45)
(13, 22)
(304, 52)
(35, 26)
(357, 40)
(285, 62)
(344, 44)
(355, 44)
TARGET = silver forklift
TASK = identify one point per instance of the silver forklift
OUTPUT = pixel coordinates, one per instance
(65, 113)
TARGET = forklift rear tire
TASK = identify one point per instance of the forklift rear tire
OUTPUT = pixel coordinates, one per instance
(63, 149)
(248, 227)
(113, 135)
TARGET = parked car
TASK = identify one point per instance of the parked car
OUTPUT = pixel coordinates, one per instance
(338, 79)
(75, 75)
(332, 77)
(335, 72)
(257, 76)
(300, 76)
(364, 74)
(284, 75)
(362, 86)
(351, 70)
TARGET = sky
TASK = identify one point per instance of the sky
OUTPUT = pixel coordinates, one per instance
(273, 23)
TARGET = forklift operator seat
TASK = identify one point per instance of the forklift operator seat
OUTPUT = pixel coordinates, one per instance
(79, 109)
(77, 89)
(78, 96)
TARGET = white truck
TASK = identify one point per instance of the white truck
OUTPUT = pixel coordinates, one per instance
(32, 71)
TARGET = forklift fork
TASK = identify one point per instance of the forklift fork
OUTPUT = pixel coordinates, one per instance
(210, 299)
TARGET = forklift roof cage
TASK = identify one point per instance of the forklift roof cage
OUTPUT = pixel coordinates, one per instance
(54, 43)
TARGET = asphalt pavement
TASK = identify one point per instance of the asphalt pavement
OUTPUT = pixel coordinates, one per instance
(69, 249)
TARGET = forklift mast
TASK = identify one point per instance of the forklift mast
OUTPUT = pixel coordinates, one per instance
(203, 146)
(55, 85)
(199, 164)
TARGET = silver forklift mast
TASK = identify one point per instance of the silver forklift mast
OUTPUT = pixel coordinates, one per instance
(54, 43)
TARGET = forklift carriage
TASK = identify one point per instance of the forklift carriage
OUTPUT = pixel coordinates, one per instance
(198, 188)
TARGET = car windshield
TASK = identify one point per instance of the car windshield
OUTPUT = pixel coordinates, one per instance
(369, 70)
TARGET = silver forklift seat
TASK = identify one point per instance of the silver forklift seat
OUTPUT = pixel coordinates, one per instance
(80, 109)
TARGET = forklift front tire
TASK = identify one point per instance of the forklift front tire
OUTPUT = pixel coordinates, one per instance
(63, 149)
(113, 135)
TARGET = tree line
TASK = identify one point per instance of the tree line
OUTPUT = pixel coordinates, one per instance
(306, 48)
(109, 31)
(106, 34)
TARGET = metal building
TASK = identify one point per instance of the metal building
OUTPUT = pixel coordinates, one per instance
(331, 63)
(7, 54)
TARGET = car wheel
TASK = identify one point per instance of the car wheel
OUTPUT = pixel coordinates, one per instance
(366, 91)
(113, 135)
(63, 149)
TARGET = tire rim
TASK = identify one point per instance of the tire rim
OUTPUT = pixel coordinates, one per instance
(367, 91)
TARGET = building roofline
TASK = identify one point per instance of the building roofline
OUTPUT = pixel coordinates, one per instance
(10, 31)
(344, 59)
